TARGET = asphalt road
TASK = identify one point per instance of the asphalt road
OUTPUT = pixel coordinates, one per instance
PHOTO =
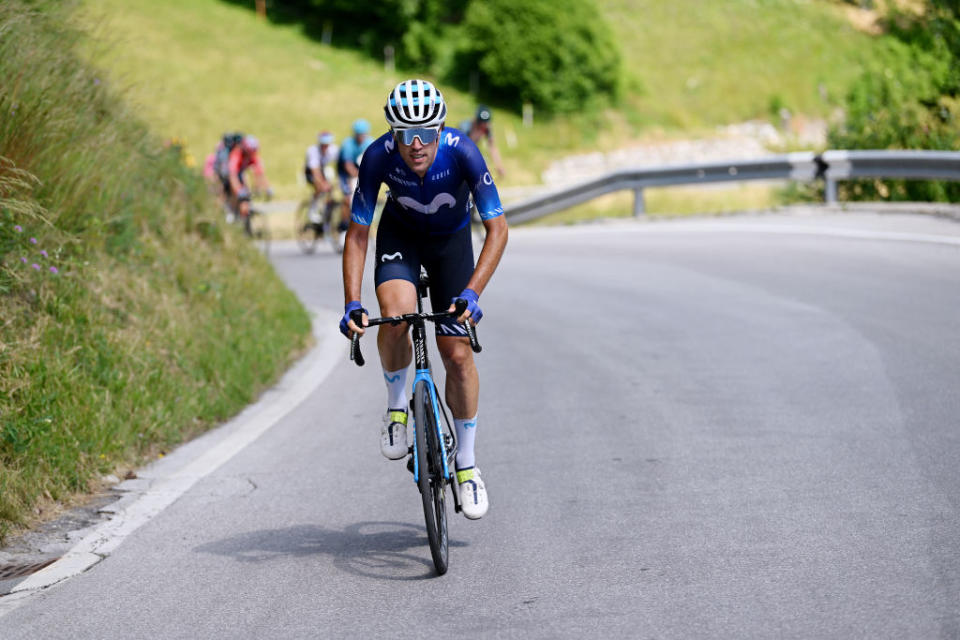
(738, 428)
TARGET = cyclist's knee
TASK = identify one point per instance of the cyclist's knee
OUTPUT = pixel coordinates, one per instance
(456, 354)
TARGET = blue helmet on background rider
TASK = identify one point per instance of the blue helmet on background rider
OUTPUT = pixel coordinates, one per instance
(361, 127)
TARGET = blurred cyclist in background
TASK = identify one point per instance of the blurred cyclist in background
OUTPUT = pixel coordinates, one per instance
(348, 164)
(242, 157)
(480, 129)
(321, 157)
(219, 173)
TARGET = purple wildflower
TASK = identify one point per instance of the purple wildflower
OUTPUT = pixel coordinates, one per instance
(33, 241)
(96, 81)
(17, 228)
(43, 252)
(54, 270)
(23, 260)
(35, 266)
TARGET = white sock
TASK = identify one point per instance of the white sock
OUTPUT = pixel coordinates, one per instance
(396, 388)
(466, 433)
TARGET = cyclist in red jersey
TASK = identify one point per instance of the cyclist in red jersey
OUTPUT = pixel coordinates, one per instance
(242, 157)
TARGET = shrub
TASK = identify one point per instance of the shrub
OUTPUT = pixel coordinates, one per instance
(128, 321)
(558, 55)
(907, 99)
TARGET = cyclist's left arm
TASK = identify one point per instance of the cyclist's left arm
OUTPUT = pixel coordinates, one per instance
(491, 213)
(493, 247)
(259, 175)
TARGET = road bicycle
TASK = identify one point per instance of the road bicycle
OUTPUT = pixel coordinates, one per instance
(314, 219)
(434, 448)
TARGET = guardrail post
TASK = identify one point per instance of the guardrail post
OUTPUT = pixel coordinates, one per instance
(639, 206)
(830, 191)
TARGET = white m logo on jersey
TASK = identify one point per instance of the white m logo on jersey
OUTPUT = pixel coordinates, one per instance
(451, 140)
(429, 209)
(388, 144)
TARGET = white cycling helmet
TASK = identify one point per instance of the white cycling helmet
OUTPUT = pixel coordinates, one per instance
(415, 103)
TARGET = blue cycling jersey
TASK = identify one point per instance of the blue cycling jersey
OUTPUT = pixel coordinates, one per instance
(350, 151)
(438, 203)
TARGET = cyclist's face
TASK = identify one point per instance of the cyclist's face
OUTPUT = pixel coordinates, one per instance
(417, 155)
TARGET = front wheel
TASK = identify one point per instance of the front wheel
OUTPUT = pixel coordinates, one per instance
(257, 227)
(333, 212)
(307, 228)
(430, 475)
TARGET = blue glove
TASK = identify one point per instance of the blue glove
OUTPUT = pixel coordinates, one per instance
(472, 298)
(350, 306)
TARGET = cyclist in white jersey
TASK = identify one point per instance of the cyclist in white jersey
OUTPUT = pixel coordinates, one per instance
(321, 159)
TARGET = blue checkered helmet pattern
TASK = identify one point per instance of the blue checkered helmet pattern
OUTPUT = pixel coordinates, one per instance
(415, 103)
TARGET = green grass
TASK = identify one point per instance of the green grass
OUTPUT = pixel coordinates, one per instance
(130, 318)
(195, 68)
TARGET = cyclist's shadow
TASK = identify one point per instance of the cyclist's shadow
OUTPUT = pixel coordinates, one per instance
(371, 549)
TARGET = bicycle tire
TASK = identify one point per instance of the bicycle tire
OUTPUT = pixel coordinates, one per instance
(430, 480)
(330, 230)
(258, 228)
(306, 232)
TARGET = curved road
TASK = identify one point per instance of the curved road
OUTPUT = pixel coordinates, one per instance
(743, 427)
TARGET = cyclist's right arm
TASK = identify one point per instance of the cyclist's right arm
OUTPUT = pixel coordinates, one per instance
(354, 255)
(358, 234)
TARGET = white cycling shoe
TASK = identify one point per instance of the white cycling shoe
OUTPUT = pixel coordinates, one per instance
(393, 435)
(473, 493)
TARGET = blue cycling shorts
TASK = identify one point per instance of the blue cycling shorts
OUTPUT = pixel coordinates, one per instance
(447, 258)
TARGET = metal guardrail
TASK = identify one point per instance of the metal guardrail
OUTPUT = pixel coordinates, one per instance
(830, 166)
(910, 165)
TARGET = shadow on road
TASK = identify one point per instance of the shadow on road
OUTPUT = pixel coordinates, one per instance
(371, 549)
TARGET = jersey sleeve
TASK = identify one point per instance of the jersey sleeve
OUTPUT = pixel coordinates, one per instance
(372, 171)
(478, 177)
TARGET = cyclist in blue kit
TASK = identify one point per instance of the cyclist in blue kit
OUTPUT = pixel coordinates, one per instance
(431, 173)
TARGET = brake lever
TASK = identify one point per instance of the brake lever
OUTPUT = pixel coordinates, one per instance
(460, 306)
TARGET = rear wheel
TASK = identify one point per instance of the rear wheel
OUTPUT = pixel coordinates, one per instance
(430, 476)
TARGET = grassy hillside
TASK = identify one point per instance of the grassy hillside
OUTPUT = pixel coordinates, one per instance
(706, 63)
(129, 317)
(198, 67)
